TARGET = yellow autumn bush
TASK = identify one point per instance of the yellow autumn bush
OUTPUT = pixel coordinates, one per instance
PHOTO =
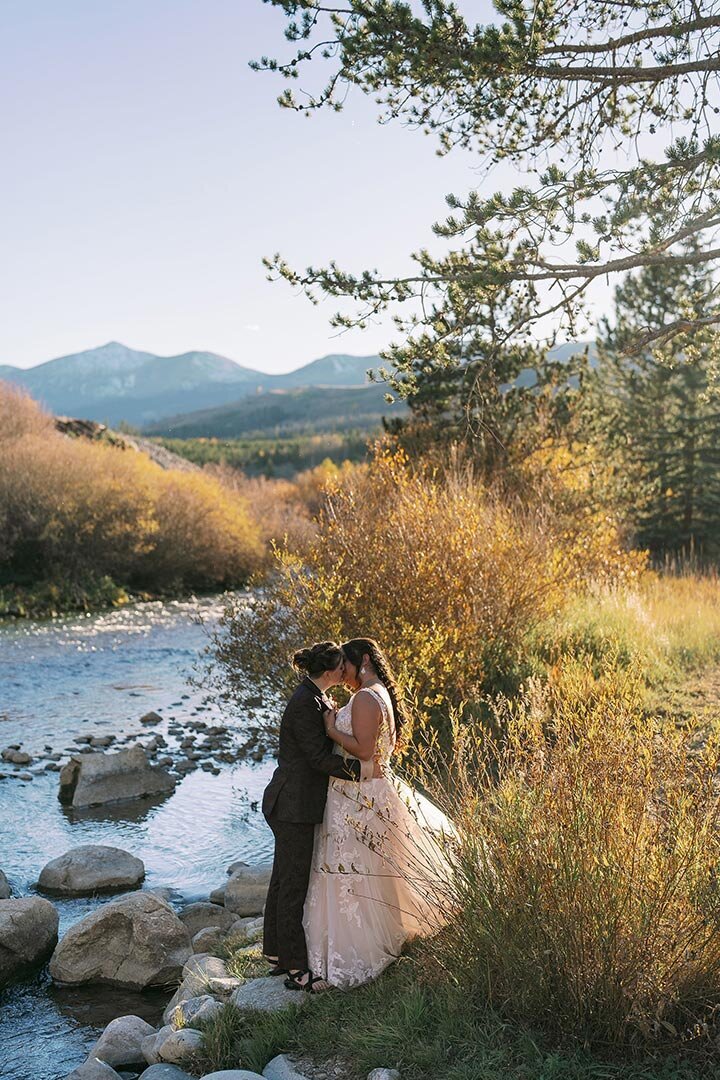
(448, 576)
(71, 509)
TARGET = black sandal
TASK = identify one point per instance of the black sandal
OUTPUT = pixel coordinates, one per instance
(293, 983)
(277, 970)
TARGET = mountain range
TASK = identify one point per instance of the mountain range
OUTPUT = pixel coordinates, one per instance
(114, 383)
(204, 394)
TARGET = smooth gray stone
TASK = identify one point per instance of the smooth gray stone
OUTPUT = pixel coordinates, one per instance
(93, 1069)
(136, 942)
(5, 890)
(28, 932)
(197, 1010)
(204, 915)
(91, 868)
(232, 1074)
(152, 1043)
(383, 1074)
(246, 890)
(179, 1045)
(265, 994)
(121, 1041)
(165, 1072)
(282, 1068)
(95, 778)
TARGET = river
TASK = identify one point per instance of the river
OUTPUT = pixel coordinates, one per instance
(96, 675)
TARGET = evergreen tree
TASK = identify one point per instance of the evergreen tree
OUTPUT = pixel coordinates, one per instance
(656, 414)
(578, 95)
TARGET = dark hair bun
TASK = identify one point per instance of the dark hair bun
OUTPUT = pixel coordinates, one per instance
(319, 658)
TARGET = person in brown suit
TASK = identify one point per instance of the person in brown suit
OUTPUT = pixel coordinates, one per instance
(294, 803)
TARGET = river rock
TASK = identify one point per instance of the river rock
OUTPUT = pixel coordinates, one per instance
(202, 915)
(95, 778)
(383, 1074)
(205, 966)
(151, 1045)
(89, 869)
(165, 1072)
(28, 932)
(5, 890)
(199, 976)
(135, 942)
(232, 1074)
(16, 757)
(180, 1045)
(283, 1068)
(151, 718)
(266, 994)
(195, 1011)
(121, 1041)
(93, 1069)
(246, 891)
(209, 939)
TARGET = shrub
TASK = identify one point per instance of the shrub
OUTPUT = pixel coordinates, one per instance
(585, 890)
(449, 577)
(77, 512)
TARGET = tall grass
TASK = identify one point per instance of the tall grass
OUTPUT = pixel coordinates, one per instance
(669, 624)
(585, 896)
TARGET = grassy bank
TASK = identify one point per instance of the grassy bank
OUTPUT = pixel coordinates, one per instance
(430, 1030)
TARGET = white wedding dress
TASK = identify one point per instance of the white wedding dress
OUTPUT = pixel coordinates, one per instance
(379, 862)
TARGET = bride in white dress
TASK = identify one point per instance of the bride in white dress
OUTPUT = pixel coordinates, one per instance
(380, 854)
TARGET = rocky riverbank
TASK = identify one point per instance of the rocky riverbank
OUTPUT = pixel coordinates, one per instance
(140, 940)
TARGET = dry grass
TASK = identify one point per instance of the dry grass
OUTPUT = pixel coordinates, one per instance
(585, 898)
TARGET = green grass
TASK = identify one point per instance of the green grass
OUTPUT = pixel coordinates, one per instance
(428, 1032)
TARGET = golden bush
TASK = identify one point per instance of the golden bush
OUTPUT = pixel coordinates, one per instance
(449, 577)
(585, 895)
(72, 509)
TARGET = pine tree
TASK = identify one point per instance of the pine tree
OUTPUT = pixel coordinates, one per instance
(656, 414)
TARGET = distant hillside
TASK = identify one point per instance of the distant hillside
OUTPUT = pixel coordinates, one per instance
(114, 383)
(283, 413)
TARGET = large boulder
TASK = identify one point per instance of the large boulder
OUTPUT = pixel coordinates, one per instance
(28, 932)
(5, 890)
(93, 779)
(121, 1041)
(137, 941)
(89, 869)
(246, 891)
(203, 915)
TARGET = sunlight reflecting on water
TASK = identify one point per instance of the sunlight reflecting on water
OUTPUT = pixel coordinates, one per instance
(97, 675)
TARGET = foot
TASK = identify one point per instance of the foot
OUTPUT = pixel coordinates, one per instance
(305, 980)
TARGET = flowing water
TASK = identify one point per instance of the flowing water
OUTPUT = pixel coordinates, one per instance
(97, 675)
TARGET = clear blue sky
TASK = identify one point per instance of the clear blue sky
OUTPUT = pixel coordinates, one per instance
(147, 170)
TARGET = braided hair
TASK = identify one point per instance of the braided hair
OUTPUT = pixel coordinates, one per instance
(354, 650)
(319, 658)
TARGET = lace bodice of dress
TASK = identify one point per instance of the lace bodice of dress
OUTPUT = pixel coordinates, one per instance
(385, 739)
